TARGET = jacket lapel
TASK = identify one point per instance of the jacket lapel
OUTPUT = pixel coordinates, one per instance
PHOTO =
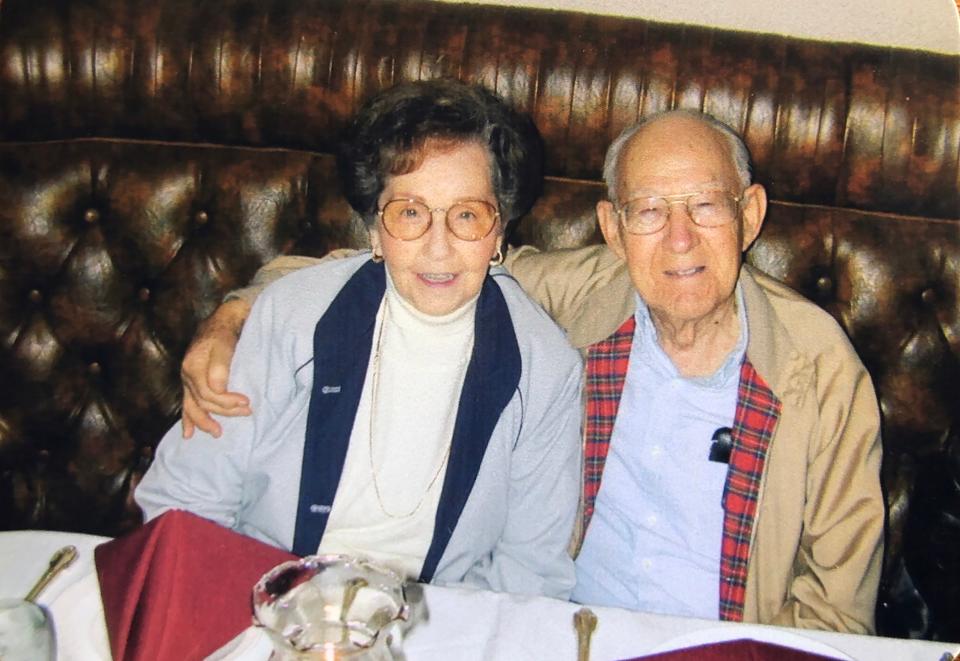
(606, 372)
(754, 422)
(342, 341)
(492, 377)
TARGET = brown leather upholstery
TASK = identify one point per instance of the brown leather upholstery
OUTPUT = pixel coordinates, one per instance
(153, 153)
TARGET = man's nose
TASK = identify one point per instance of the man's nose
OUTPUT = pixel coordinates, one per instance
(677, 205)
(681, 231)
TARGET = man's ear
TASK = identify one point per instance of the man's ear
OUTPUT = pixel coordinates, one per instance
(610, 227)
(753, 211)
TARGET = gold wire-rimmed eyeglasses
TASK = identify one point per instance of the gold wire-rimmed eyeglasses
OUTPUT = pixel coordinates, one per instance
(409, 219)
(648, 215)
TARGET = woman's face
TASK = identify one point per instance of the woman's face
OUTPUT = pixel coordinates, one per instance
(437, 273)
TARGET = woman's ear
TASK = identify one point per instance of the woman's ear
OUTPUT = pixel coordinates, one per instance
(376, 247)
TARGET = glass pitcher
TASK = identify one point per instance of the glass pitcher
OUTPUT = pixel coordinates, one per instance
(332, 607)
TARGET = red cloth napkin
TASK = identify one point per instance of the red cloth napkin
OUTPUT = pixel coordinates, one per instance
(734, 650)
(179, 587)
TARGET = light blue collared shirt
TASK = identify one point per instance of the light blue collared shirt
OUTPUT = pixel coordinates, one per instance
(653, 543)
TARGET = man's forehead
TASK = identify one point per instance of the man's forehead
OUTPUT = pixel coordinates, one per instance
(678, 133)
(676, 150)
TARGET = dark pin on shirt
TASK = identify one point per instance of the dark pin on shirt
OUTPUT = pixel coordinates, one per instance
(721, 446)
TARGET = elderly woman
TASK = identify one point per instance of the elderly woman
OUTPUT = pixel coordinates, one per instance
(409, 404)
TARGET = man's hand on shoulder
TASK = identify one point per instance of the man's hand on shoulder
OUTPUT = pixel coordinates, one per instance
(206, 368)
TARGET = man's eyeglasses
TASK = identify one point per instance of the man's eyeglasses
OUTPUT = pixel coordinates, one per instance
(648, 215)
(407, 220)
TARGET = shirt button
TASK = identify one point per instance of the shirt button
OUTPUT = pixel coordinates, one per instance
(652, 520)
(647, 564)
(656, 451)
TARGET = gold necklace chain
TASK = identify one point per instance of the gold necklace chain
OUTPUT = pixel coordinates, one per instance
(374, 387)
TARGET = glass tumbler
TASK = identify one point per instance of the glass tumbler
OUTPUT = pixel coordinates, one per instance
(332, 607)
(26, 632)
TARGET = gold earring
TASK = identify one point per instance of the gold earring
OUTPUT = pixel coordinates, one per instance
(497, 259)
(376, 257)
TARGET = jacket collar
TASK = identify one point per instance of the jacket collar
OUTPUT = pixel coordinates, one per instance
(769, 349)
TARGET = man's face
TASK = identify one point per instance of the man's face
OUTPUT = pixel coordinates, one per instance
(685, 273)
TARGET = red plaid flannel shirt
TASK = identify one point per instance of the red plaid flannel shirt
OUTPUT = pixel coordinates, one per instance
(757, 412)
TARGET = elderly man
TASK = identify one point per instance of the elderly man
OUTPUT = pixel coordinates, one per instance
(732, 446)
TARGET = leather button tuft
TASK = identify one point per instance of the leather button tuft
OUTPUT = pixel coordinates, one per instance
(928, 296)
(144, 294)
(35, 296)
(824, 284)
(91, 215)
(201, 217)
(94, 368)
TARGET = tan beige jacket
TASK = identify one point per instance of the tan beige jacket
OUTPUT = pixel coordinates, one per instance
(815, 556)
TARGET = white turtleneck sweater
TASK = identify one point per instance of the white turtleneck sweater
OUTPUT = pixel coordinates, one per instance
(418, 376)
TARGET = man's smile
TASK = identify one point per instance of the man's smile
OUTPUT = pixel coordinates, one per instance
(680, 273)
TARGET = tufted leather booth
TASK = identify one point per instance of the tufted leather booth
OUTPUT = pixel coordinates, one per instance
(154, 153)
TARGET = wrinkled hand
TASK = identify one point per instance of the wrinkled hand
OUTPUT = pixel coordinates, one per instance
(206, 368)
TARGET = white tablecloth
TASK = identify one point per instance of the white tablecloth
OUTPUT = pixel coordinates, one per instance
(461, 624)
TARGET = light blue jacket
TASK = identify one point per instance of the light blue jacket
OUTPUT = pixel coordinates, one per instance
(510, 492)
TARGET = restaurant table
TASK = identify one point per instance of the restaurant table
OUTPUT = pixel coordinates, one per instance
(460, 624)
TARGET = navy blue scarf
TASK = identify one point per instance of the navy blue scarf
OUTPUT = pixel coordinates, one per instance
(342, 343)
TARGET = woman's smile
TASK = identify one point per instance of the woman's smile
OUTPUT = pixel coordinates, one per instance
(438, 279)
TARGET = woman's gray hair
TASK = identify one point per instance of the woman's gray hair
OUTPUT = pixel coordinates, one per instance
(738, 149)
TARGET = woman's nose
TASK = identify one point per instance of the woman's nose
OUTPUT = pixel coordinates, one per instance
(438, 236)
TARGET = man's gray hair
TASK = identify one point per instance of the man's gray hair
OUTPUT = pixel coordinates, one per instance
(738, 149)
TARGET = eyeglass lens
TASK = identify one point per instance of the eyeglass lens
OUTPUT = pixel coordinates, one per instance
(409, 219)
